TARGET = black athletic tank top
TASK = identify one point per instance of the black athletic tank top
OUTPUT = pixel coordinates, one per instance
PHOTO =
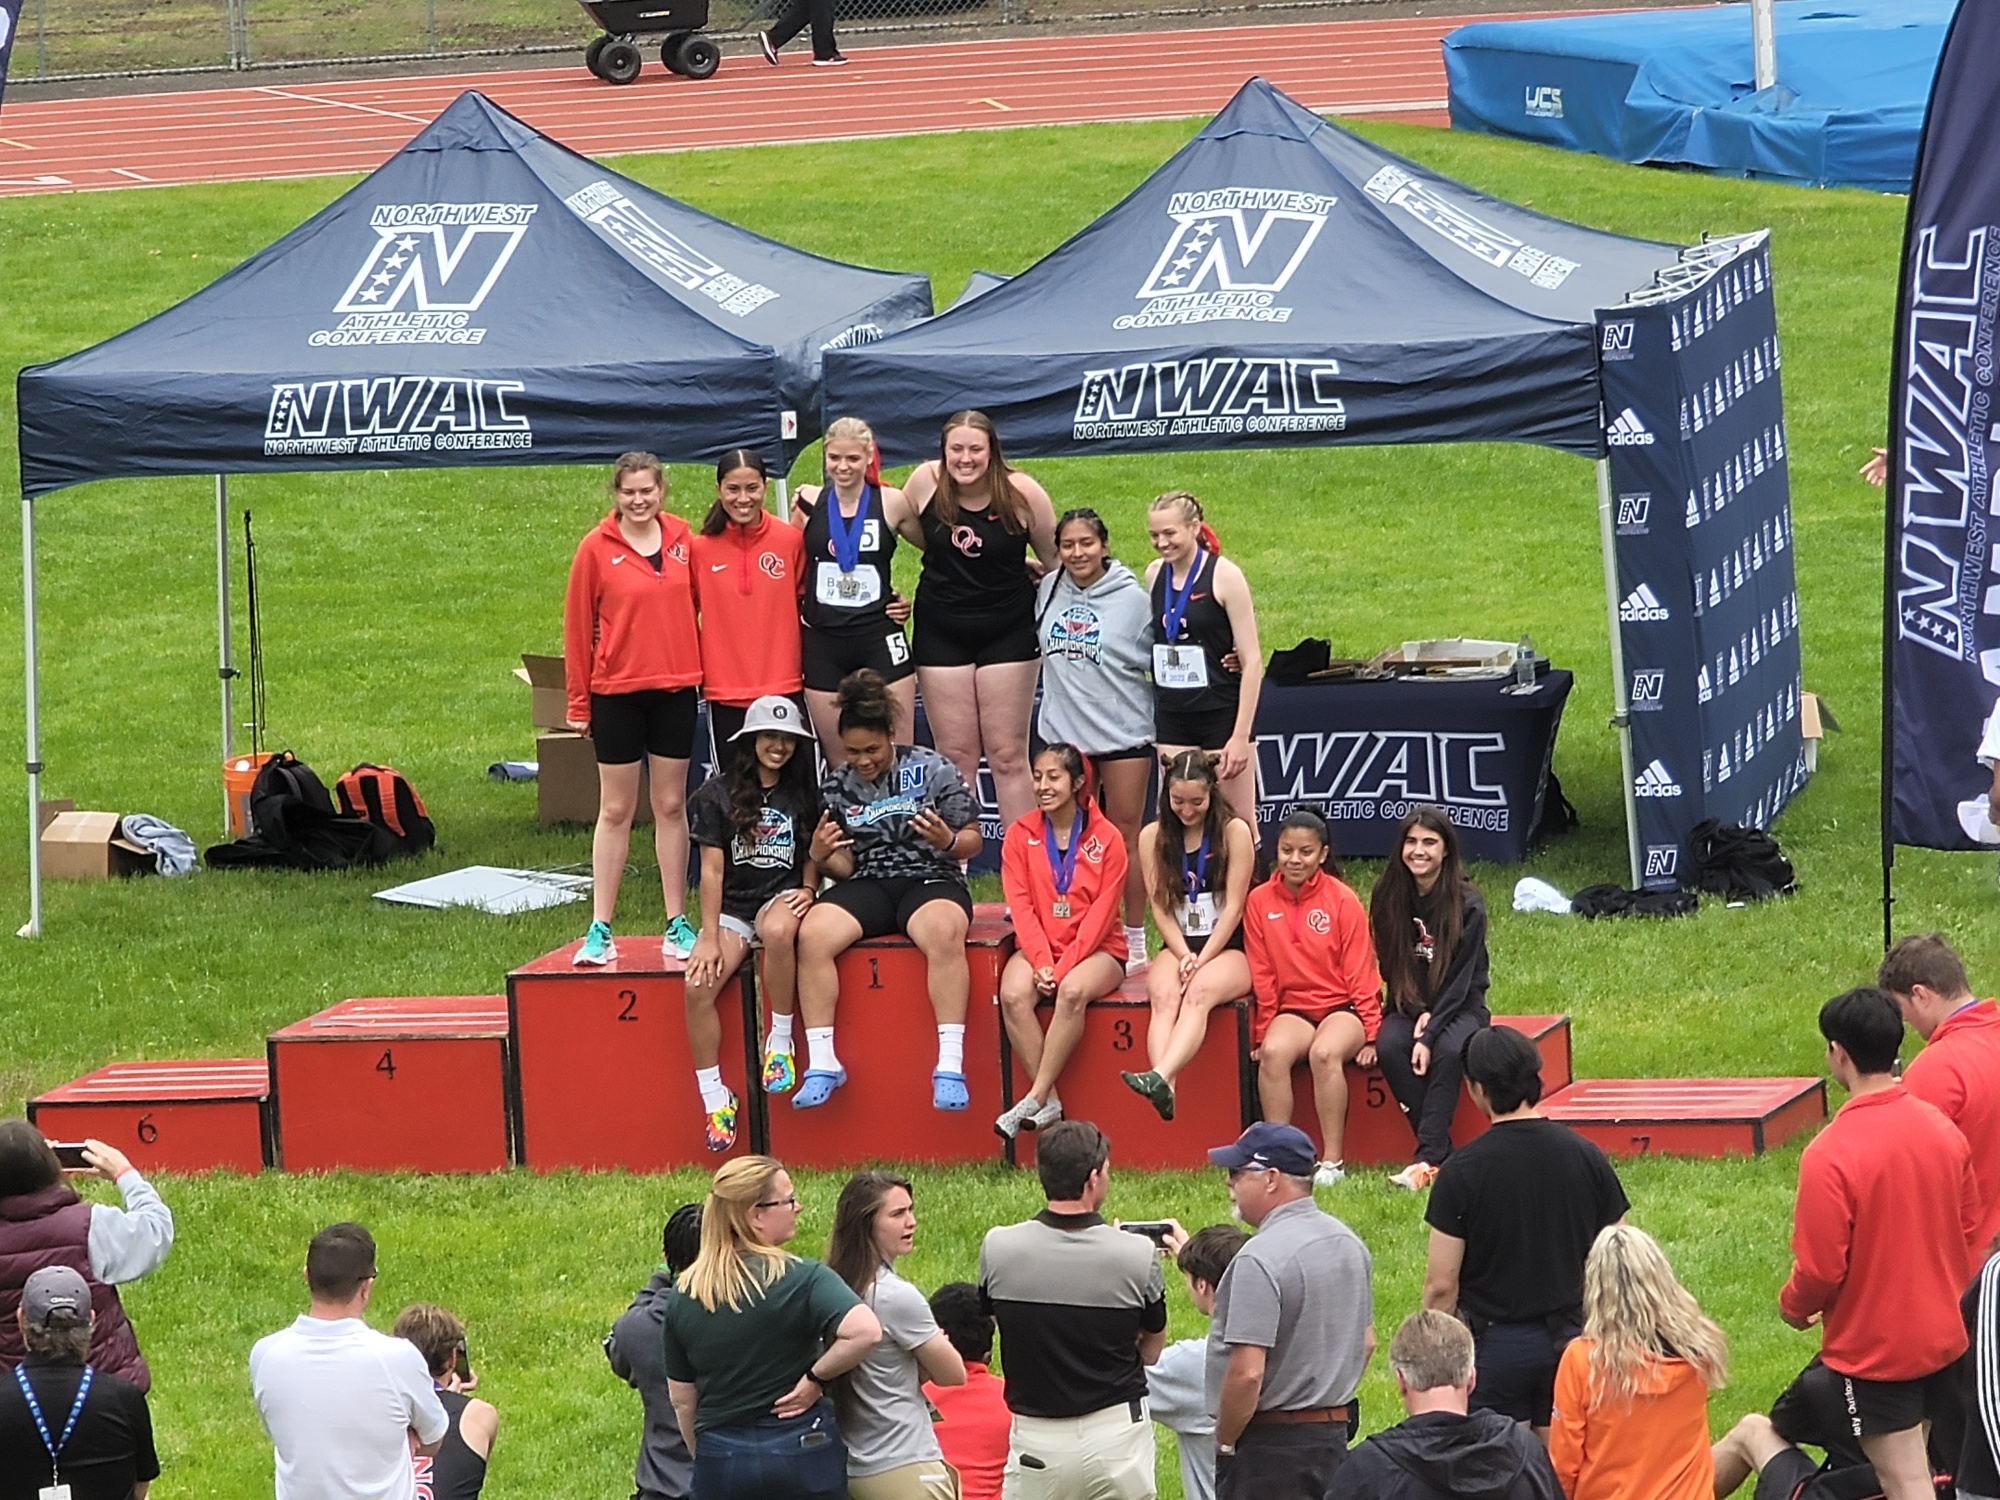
(824, 582)
(1210, 883)
(977, 567)
(456, 1472)
(1205, 627)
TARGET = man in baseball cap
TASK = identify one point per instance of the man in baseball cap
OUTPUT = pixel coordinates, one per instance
(1290, 1336)
(63, 1425)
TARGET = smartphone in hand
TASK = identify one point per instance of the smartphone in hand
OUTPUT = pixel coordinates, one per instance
(1155, 1230)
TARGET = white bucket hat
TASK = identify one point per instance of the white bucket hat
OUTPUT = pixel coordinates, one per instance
(773, 715)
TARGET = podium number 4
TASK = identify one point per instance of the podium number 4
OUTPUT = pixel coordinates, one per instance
(386, 1064)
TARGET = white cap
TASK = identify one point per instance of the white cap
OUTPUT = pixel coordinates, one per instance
(773, 715)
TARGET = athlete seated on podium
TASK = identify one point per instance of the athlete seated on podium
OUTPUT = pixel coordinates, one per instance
(1062, 868)
(898, 823)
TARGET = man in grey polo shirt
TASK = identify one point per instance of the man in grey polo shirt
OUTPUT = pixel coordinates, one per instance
(1293, 1327)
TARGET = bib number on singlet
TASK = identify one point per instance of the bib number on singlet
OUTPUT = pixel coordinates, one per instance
(899, 647)
(856, 590)
(1180, 667)
(1197, 915)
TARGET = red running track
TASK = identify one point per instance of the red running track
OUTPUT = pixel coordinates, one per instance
(1379, 68)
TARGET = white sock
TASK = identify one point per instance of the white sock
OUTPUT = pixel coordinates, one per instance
(819, 1050)
(1135, 943)
(713, 1094)
(781, 1034)
(951, 1049)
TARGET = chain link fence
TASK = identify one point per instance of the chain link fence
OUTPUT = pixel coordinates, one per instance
(62, 40)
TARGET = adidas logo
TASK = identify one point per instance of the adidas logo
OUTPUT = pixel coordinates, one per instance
(1628, 431)
(1655, 782)
(1642, 604)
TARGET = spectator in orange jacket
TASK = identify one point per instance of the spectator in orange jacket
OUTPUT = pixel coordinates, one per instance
(1062, 869)
(748, 572)
(631, 662)
(1318, 993)
(1958, 1072)
(1884, 1240)
(1631, 1411)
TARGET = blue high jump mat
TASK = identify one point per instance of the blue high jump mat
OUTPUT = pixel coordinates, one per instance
(1676, 87)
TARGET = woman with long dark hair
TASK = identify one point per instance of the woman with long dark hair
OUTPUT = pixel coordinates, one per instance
(1091, 615)
(892, 1453)
(1200, 861)
(631, 663)
(752, 1340)
(1062, 869)
(753, 823)
(977, 519)
(749, 569)
(1429, 926)
(898, 824)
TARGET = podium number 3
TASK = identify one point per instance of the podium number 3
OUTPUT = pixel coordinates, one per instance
(1121, 1031)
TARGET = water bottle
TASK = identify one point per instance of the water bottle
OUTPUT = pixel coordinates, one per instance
(1524, 666)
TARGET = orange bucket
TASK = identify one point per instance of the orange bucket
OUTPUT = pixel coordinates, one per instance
(239, 774)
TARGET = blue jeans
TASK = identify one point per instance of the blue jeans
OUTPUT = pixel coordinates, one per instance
(773, 1458)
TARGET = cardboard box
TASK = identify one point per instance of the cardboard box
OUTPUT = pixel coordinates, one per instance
(549, 705)
(566, 780)
(45, 812)
(1815, 718)
(88, 846)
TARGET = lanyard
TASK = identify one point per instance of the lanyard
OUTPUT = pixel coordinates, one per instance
(35, 1410)
(845, 535)
(1178, 599)
(1195, 878)
(1062, 862)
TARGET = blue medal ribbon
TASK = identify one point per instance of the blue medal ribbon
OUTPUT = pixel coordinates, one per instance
(1196, 877)
(1177, 599)
(35, 1410)
(845, 535)
(1062, 862)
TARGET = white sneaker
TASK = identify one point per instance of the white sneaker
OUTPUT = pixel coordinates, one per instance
(1046, 1115)
(1008, 1125)
(1328, 1174)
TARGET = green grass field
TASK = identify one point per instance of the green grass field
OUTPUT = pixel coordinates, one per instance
(395, 605)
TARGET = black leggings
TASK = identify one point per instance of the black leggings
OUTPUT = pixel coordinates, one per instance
(1431, 1100)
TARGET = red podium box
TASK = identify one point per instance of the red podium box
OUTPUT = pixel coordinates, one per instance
(168, 1116)
(403, 1084)
(1210, 1104)
(886, 1033)
(1377, 1133)
(601, 1056)
(1689, 1116)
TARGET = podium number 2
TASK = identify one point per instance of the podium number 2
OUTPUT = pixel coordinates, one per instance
(629, 1011)
(147, 1131)
(386, 1063)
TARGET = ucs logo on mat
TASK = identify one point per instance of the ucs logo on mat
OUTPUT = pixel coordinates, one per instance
(431, 265)
(1231, 250)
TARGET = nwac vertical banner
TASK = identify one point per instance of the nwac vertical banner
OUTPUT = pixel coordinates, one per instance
(1941, 607)
(10, 20)
(1708, 613)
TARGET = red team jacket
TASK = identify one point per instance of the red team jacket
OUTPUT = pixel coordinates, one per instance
(1883, 1238)
(1095, 894)
(746, 584)
(1958, 1074)
(1312, 955)
(627, 629)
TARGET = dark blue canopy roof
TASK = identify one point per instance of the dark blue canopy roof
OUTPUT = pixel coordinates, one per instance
(487, 296)
(1278, 282)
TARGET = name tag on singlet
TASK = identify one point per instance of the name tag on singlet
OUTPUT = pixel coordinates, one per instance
(856, 590)
(1180, 667)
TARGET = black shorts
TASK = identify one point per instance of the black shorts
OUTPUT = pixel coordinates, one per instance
(1835, 1411)
(829, 655)
(1785, 1475)
(952, 639)
(625, 728)
(1517, 1370)
(1136, 752)
(1203, 728)
(883, 907)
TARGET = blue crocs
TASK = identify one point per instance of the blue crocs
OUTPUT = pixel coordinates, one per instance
(948, 1091)
(817, 1087)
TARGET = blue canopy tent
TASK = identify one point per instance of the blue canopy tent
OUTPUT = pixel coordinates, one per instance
(1280, 282)
(487, 296)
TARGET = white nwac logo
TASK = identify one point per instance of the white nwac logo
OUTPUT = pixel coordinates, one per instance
(443, 257)
(1236, 240)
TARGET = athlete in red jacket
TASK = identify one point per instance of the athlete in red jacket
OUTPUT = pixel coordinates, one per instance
(1318, 994)
(1062, 869)
(748, 567)
(631, 662)
(1882, 1247)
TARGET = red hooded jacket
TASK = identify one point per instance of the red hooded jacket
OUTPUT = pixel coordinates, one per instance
(1958, 1074)
(746, 584)
(1096, 893)
(627, 629)
(1312, 954)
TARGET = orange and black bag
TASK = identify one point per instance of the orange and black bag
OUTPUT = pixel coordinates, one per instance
(384, 796)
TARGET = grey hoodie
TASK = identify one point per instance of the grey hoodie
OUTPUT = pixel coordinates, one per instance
(1096, 645)
(634, 1346)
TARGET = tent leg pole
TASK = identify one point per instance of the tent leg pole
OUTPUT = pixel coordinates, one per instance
(34, 721)
(1621, 707)
(1763, 43)
(225, 670)
(781, 500)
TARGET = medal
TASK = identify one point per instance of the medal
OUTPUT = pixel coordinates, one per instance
(1195, 877)
(845, 536)
(847, 586)
(1062, 862)
(1177, 600)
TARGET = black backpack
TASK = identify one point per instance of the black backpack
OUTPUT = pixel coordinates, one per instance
(1741, 864)
(384, 796)
(296, 827)
(1595, 901)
